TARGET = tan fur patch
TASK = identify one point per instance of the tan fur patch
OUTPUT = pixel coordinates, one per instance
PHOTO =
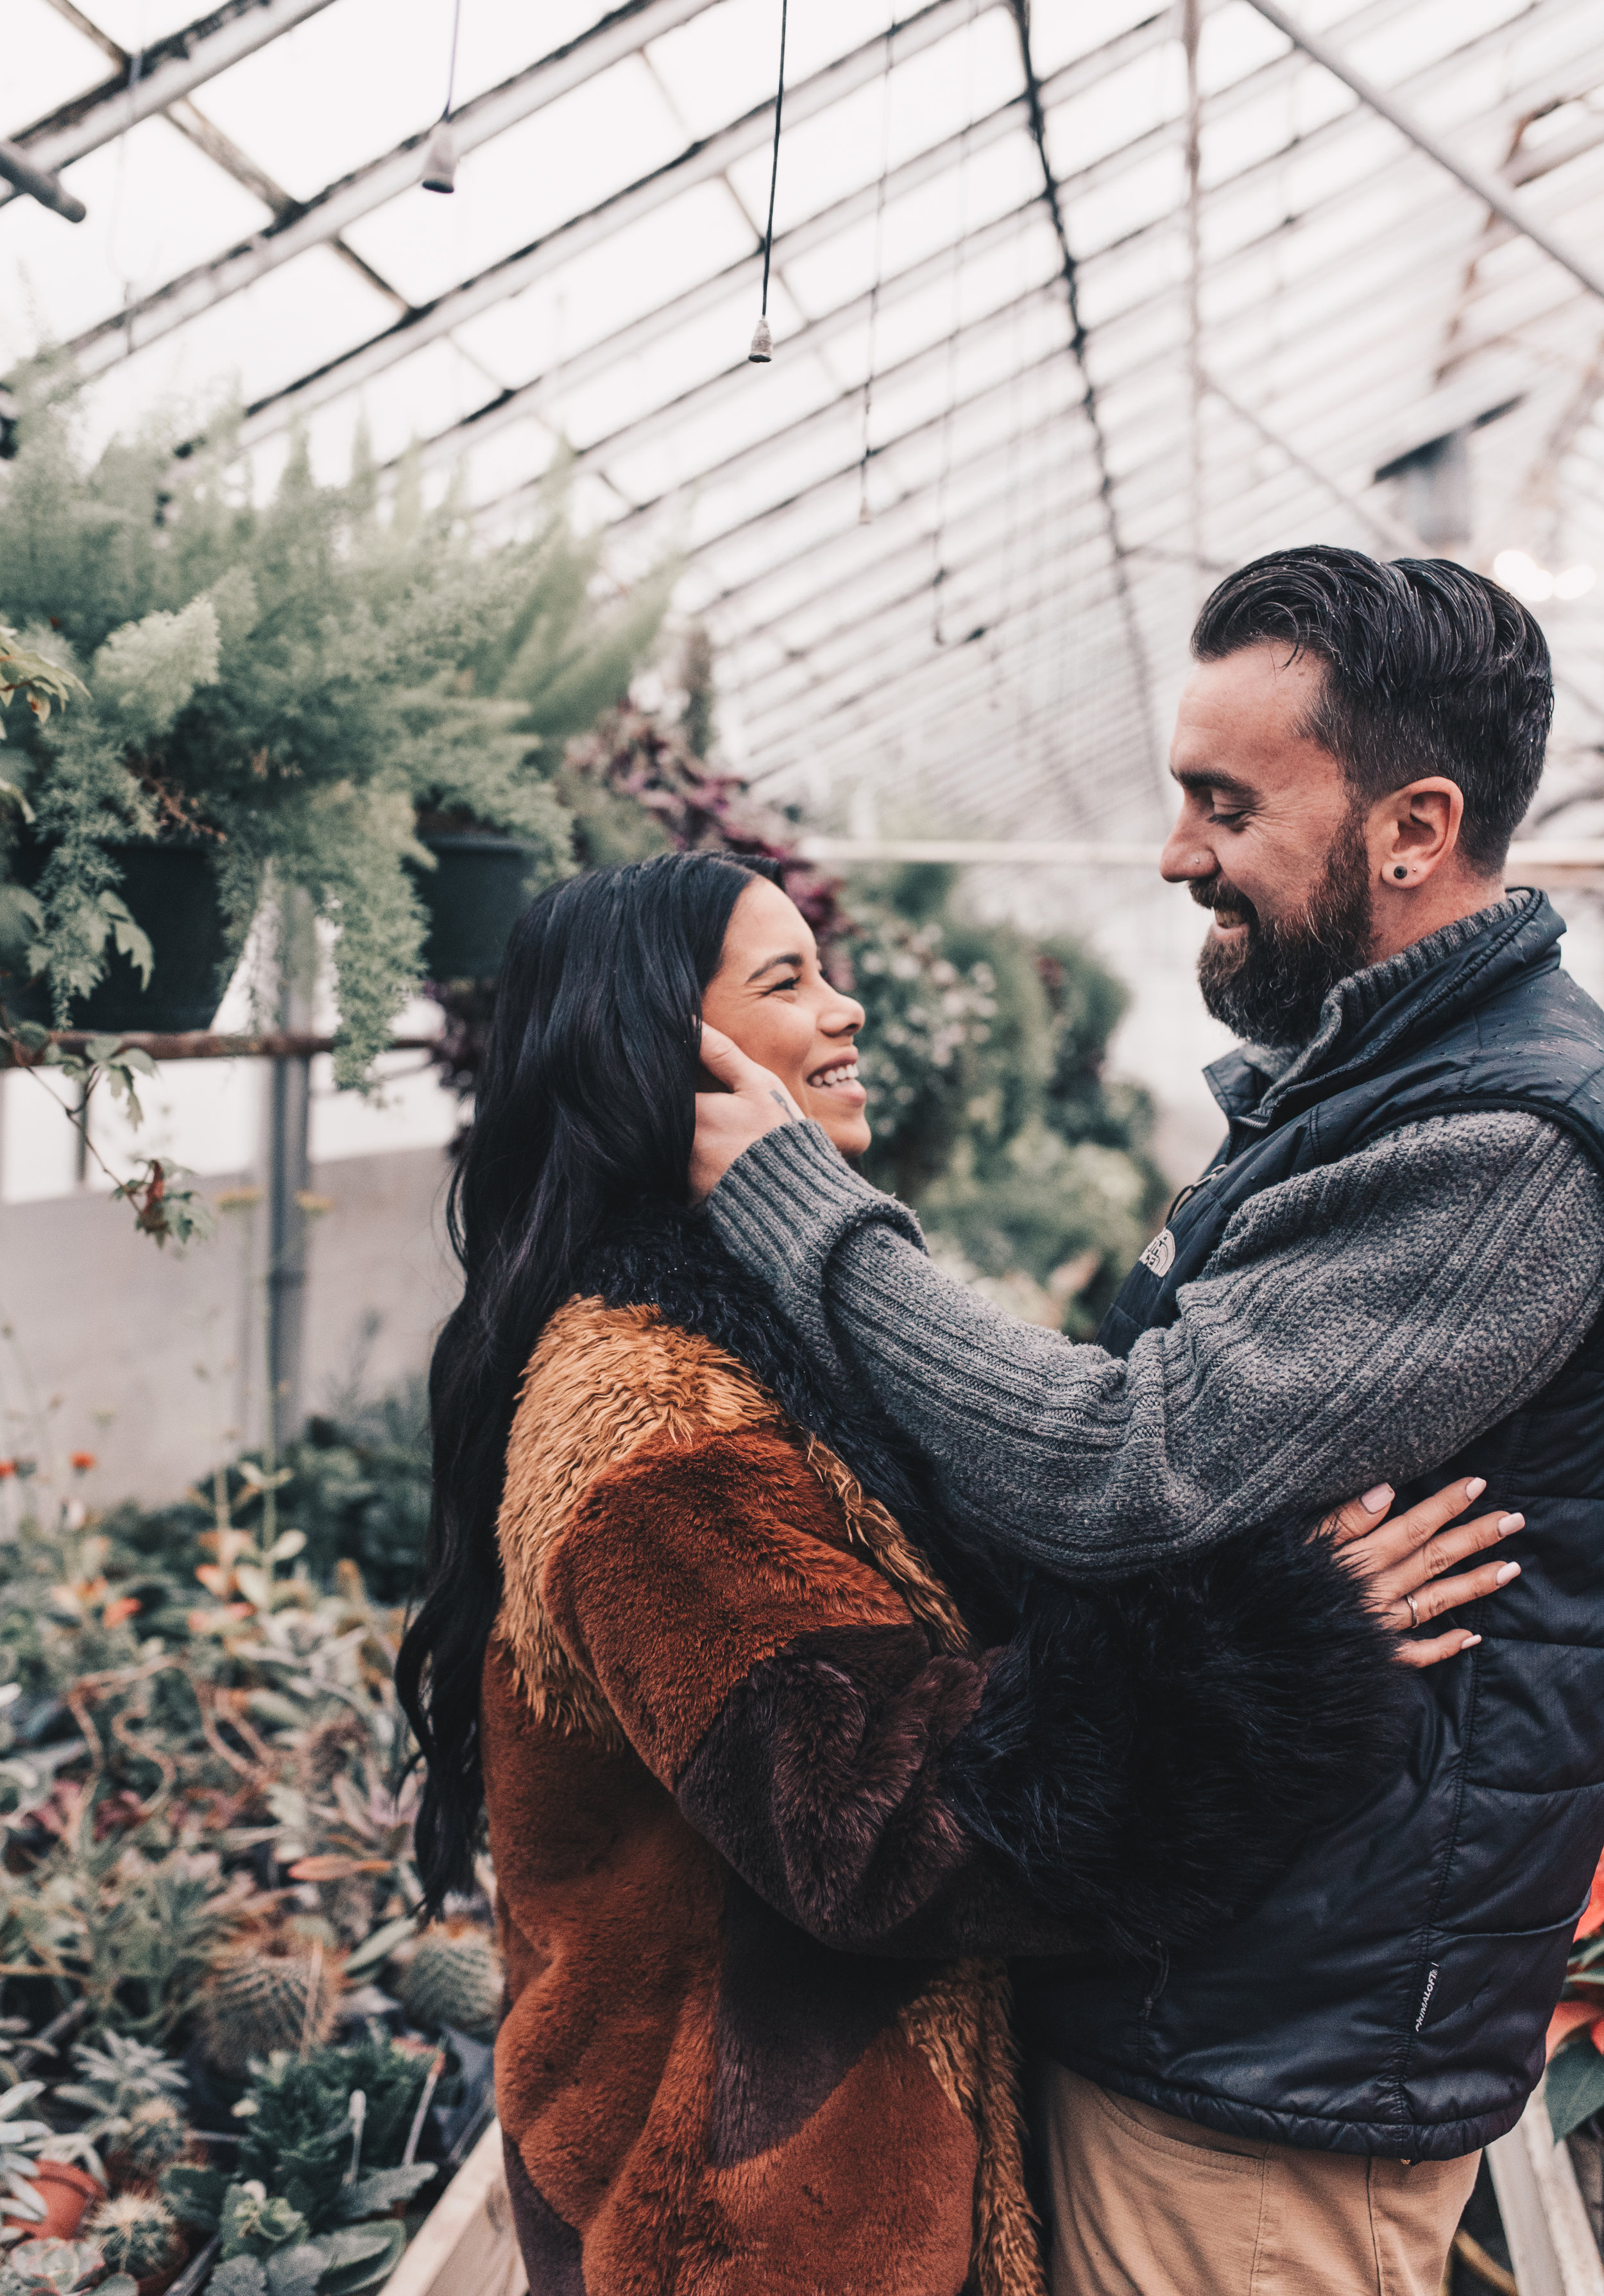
(962, 2026)
(602, 1381)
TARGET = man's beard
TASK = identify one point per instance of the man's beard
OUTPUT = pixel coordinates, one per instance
(1269, 987)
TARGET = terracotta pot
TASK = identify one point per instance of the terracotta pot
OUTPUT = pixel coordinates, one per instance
(68, 2193)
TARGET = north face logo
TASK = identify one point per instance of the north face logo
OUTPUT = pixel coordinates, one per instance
(1160, 1254)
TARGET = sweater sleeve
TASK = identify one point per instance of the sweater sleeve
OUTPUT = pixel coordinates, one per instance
(1362, 1320)
(1129, 1770)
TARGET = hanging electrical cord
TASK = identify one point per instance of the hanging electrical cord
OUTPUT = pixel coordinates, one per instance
(938, 575)
(1191, 26)
(763, 341)
(865, 515)
(439, 160)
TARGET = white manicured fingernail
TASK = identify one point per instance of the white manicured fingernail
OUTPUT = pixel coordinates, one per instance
(1374, 1501)
(1510, 1571)
(1511, 1523)
(1476, 1487)
(1470, 1641)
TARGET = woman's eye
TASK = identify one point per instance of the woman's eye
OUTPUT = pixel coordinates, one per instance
(1226, 820)
(779, 986)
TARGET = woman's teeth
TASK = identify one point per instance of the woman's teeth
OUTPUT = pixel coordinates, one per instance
(844, 1072)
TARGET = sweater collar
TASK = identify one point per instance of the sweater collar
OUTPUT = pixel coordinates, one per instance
(1423, 987)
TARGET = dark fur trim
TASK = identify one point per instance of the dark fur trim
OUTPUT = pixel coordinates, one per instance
(1148, 1753)
(1148, 1756)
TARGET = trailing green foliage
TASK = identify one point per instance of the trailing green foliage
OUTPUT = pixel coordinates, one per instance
(290, 687)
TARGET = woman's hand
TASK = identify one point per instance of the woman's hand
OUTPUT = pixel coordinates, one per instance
(1405, 1562)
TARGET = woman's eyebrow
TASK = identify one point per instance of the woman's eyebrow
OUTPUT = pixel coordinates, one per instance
(792, 957)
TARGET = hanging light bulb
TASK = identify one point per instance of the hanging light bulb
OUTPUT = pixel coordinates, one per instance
(762, 340)
(439, 160)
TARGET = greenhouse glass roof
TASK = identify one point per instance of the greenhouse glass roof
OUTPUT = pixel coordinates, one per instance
(1074, 307)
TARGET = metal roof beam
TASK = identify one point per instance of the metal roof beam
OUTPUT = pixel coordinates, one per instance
(705, 397)
(887, 678)
(530, 398)
(698, 163)
(819, 418)
(333, 211)
(1259, 168)
(1487, 188)
(24, 176)
(167, 69)
(911, 644)
(1118, 380)
(813, 680)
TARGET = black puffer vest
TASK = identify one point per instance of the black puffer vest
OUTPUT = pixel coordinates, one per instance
(1391, 1994)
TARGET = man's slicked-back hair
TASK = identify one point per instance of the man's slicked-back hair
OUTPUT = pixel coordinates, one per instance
(1429, 669)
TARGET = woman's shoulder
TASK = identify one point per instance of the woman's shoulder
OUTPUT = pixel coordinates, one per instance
(606, 1381)
(603, 1385)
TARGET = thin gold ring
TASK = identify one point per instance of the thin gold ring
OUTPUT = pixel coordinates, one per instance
(1414, 1616)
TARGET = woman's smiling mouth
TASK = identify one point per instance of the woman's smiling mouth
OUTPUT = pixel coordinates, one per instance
(841, 1076)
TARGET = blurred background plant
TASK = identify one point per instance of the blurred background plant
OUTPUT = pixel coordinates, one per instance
(215, 2002)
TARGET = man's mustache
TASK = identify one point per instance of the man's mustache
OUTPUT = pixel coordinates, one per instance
(1218, 892)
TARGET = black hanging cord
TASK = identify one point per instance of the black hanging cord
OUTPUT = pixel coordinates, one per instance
(451, 69)
(439, 160)
(763, 341)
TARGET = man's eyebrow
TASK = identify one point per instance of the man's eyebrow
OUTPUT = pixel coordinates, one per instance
(792, 956)
(1196, 782)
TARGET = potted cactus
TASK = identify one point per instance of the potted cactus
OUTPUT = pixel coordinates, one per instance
(273, 1989)
(137, 2234)
(452, 1977)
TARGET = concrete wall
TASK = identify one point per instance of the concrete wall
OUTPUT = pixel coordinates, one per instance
(154, 1362)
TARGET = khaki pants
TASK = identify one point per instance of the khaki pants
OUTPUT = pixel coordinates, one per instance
(1147, 2205)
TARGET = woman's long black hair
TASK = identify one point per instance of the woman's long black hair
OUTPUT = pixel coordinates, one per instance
(586, 1103)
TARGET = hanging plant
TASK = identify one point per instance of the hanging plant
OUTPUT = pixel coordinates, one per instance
(282, 690)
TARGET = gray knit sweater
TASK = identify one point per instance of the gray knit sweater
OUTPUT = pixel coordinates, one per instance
(1360, 1322)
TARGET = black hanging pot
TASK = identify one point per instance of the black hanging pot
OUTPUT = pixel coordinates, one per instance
(171, 893)
(474, 895)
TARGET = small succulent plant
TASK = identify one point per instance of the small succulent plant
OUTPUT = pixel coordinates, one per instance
(132, 2093)
(133, 2234)
(272, 1991)
(19, 2144)
(454, 1978)
(59, 2267)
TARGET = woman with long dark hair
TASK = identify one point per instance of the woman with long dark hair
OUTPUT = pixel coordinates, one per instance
(776, 1765)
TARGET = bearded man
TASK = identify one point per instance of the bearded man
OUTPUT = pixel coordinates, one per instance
(1392, 1270)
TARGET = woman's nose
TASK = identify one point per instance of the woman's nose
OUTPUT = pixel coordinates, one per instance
(846, 1020)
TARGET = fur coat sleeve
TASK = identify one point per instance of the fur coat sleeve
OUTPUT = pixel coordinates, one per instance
(1132, 1768)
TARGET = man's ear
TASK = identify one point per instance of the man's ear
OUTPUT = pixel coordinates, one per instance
(1415, 830)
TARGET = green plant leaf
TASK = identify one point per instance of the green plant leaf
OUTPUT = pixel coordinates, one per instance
(241, 2276)
(296, 2271)
(381, 1945)
(361, 2259)
(374, 2195)
(1574, 2089)
(195, 2196)
(127, 936)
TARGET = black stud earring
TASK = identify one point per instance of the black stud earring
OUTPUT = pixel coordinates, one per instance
(1400, 872)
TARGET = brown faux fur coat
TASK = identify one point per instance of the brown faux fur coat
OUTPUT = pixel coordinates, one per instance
(748, 2053)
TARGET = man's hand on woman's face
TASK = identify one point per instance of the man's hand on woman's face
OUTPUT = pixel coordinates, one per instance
(1407, 1564)
(753, 1101)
